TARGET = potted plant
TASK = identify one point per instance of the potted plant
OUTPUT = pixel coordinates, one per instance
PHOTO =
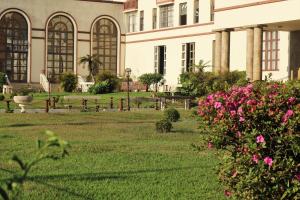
(23, 98)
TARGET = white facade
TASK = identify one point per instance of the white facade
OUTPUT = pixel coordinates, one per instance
(136, 45)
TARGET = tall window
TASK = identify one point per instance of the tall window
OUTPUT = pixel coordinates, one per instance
(212, 10)
(160, 59)
(141, 20)
(14, 46)
(131, 22)
(105, 44)
(270, 60)
(166, 16)
(196, 11)
(183, 14)
(60, 47)
(187, 56)
(154, 18)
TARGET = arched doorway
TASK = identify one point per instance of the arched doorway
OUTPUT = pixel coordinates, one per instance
(105, 44)
(60, 47)
(14, 46)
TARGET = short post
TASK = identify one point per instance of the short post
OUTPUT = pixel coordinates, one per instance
(111, 103)
(47, 105)
(97, 108)
(162, 104)
(186, 104)
(84, 104)
(121, 106)
(53, 102)
(156, 104)
(8, 106)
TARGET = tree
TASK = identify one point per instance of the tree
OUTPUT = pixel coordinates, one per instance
(146, 79)
(150, 78)
(93, 64)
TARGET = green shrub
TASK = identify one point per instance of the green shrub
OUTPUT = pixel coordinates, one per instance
(68, 82)
(150, 78)
(259, 125)
(2, 97)
(112, 80)
(163, 126)
(172, 114)
(102, 87)
(200, 83)
(2, 80)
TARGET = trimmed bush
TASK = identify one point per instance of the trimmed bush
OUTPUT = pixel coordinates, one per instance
(68, 82)
(112, 80)
(150, 78)
(172, 114)
(163, 126)
(2, 97)
(102, 87)
(259, 125)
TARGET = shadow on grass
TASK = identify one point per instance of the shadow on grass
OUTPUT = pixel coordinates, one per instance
(118, 175)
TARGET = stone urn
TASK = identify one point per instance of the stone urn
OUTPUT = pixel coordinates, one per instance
(22, 101)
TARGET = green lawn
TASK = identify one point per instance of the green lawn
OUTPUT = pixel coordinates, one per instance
(113, 156)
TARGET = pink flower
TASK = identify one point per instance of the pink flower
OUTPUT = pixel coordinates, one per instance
(209, 145)
(242, 119)
(268, 161)
(210, 97)
(232, 113)
(227, 193)
(291, 100)
(297, 177)
(287, 115)
(217, 105)
(238, 134)
(234, 174)
(260, 139)
(255, 158)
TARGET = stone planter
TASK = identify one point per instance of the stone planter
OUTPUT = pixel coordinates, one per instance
(22, 101)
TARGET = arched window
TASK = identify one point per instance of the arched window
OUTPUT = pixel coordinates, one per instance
(14, 46)
(60, 57)
(105, 44)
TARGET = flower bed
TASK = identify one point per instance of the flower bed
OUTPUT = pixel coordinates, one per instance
(259, 125)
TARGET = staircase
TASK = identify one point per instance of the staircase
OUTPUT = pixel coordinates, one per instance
(83, 85)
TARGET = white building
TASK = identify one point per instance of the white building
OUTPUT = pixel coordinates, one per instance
(163, 36)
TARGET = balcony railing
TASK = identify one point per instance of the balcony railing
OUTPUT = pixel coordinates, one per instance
(131, 5)
(164, 1)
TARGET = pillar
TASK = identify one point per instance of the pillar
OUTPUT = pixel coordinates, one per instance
(249, 58)
(257, 53)
(225, 53)
(218, 48)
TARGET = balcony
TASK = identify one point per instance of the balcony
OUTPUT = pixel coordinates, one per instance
(160, 2)
(130, 5)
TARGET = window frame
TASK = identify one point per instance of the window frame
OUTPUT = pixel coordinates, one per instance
(196, 11)
(142, 18)
(166, 16)
(183, 14)
(270, 51)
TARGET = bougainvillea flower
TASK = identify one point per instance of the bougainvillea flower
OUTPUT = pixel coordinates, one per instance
(209, 145)
(242, 119)
(297, 177)
(268, 161)
(287, 115)
(255, 158)
(260, 139)
(217, 105)
(227, 193)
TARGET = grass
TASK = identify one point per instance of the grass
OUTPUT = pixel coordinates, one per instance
(113, 156)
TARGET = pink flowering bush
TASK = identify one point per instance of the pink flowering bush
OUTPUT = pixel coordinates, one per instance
(259, 126)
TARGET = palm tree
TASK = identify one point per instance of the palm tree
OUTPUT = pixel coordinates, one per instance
(93, 64)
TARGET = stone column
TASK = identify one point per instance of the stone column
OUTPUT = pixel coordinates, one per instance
(249, 58)
(225, 55)
(218, 48)
(257, 54)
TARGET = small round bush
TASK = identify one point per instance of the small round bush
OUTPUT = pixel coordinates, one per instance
(172, 114)
(2, 97)
(163, 126)
(68, 82)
